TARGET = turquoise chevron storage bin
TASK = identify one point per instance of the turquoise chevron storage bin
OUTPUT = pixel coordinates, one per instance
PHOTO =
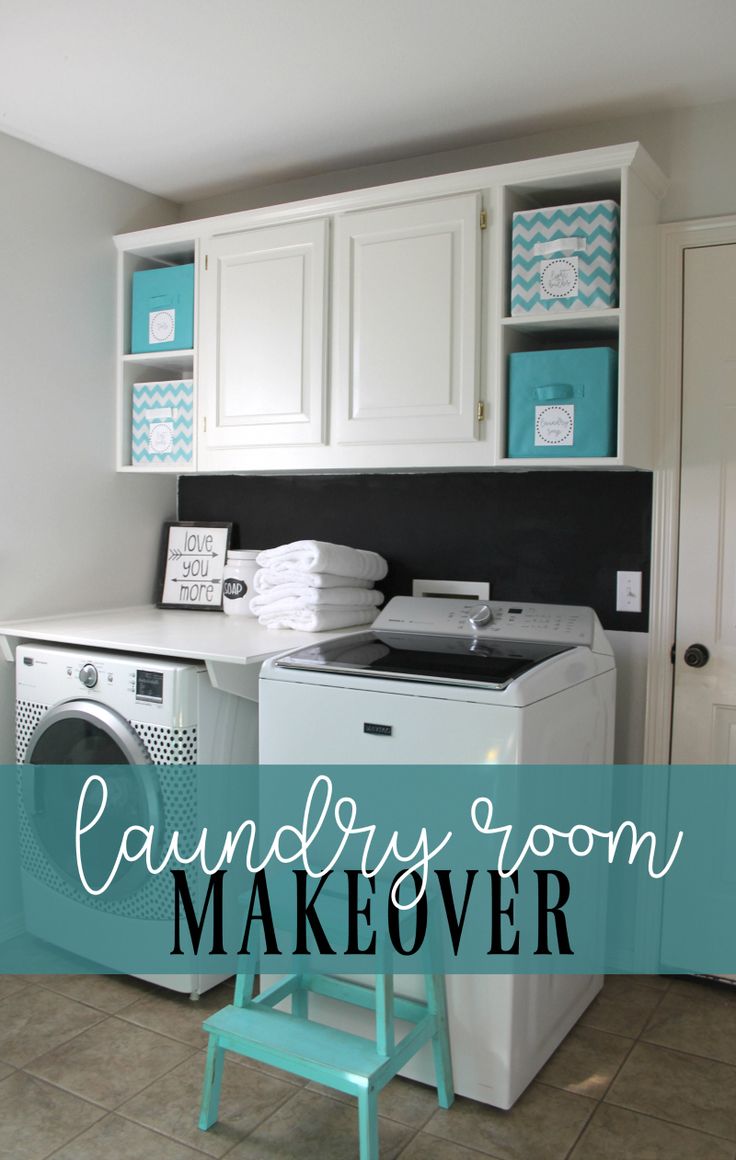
(565, 258)
(162, 422)
(162, 310)
(562, 403)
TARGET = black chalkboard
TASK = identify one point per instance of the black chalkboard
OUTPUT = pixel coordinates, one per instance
(551, 536)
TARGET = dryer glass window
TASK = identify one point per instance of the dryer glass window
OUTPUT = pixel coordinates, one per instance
(75, 742)
(80, 735)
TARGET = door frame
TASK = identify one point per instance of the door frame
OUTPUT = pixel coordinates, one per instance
(675, 239)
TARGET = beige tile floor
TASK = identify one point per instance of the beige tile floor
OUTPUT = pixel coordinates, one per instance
(94, 1066)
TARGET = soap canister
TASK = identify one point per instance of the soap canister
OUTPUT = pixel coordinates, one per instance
(237, 582)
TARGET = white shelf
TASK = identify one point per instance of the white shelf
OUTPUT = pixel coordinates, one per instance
(201, 636)
(558, 462)
(157, 468)
(598, 320)
(232, 647)
(161, 357)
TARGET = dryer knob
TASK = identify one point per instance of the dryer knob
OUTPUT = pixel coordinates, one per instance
(88, 676)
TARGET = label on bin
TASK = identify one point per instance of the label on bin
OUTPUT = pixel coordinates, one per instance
(161, 326)
(558, 278)
(554, 425)
(160, 437)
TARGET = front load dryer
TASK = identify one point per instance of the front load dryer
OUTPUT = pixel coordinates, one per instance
(84, 707)
(457, 682)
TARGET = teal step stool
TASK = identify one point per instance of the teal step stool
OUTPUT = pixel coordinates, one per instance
(339, 1059)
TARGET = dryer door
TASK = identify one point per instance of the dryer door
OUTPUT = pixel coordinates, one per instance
(83, 733)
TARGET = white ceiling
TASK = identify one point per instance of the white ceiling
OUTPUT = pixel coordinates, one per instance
(187, 98)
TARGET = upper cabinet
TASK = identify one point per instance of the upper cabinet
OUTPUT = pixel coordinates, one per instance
(156, 425)
(262, 346)
(578, 268)
(497, 317)
(406, 310)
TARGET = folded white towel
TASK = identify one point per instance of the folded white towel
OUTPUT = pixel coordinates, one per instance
(318, 619)
(267, 578)
(290, 598)
(317, 556)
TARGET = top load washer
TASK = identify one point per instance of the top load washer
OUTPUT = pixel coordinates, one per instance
(438, 681)
(446, 682)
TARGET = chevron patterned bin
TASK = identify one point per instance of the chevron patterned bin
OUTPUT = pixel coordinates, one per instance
(565, 258)
(162, 422)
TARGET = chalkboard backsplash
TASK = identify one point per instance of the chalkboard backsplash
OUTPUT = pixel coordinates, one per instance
(552, 536)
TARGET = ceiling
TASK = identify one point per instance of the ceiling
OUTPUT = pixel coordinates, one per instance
(188, 98)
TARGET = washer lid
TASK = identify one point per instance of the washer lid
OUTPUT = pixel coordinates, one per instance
(410, 656)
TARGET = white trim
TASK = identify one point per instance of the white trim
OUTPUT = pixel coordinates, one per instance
(606, 160)
(675, 239)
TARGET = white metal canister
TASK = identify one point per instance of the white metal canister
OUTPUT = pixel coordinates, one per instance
(237, 582)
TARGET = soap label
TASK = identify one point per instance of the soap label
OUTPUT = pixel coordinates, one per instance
(161, 326)
(554, 425)
(234, 589)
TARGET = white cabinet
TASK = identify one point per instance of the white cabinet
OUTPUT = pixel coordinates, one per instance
(406, 282)
(160, 372)
(262, 357)
(372, 329)
(631, 328)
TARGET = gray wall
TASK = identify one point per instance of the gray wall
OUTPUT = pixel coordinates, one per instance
(74, 533)
(695, 147)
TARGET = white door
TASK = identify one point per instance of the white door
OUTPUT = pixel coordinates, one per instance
(406, 303)
(704, 720)
(262, 358)
(704, 712)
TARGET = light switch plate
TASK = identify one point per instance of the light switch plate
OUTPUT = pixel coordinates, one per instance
(628, 591)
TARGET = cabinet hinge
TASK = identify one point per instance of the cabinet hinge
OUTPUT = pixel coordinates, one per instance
(673, 654)
(480, 411)
(204, 423)
(484, 219)
(206, 261)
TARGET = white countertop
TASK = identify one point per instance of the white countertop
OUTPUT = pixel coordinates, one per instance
(227, 644)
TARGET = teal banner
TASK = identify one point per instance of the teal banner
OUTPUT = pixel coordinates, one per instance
(469, 869)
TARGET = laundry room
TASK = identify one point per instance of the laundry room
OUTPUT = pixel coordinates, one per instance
(356, 375)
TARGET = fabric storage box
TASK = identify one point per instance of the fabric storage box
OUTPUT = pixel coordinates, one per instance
(162, 422)
(565, 258)
(162, 314)
(562, 403)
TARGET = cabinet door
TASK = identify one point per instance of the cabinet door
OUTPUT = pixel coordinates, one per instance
(262, 338)
(406, 305)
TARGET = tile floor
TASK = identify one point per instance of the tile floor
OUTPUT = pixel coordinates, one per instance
(95, 1066)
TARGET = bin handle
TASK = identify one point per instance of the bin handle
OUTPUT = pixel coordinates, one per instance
(557, 391)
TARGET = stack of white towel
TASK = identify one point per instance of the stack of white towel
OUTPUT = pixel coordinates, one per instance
(314, 586)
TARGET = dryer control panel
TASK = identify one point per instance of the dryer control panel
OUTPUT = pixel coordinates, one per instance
(488, 619)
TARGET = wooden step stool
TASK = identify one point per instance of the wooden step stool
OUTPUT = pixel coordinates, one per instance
(341, 1060)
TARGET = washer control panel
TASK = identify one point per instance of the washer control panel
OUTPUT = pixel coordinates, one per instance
(486, 619)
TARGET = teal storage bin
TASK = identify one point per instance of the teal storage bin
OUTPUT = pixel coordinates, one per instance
(162, 313)
(562, 403)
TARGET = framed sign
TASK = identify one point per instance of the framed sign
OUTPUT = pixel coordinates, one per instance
(191, 565)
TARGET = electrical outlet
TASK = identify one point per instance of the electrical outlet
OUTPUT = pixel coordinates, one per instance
(628, 591)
